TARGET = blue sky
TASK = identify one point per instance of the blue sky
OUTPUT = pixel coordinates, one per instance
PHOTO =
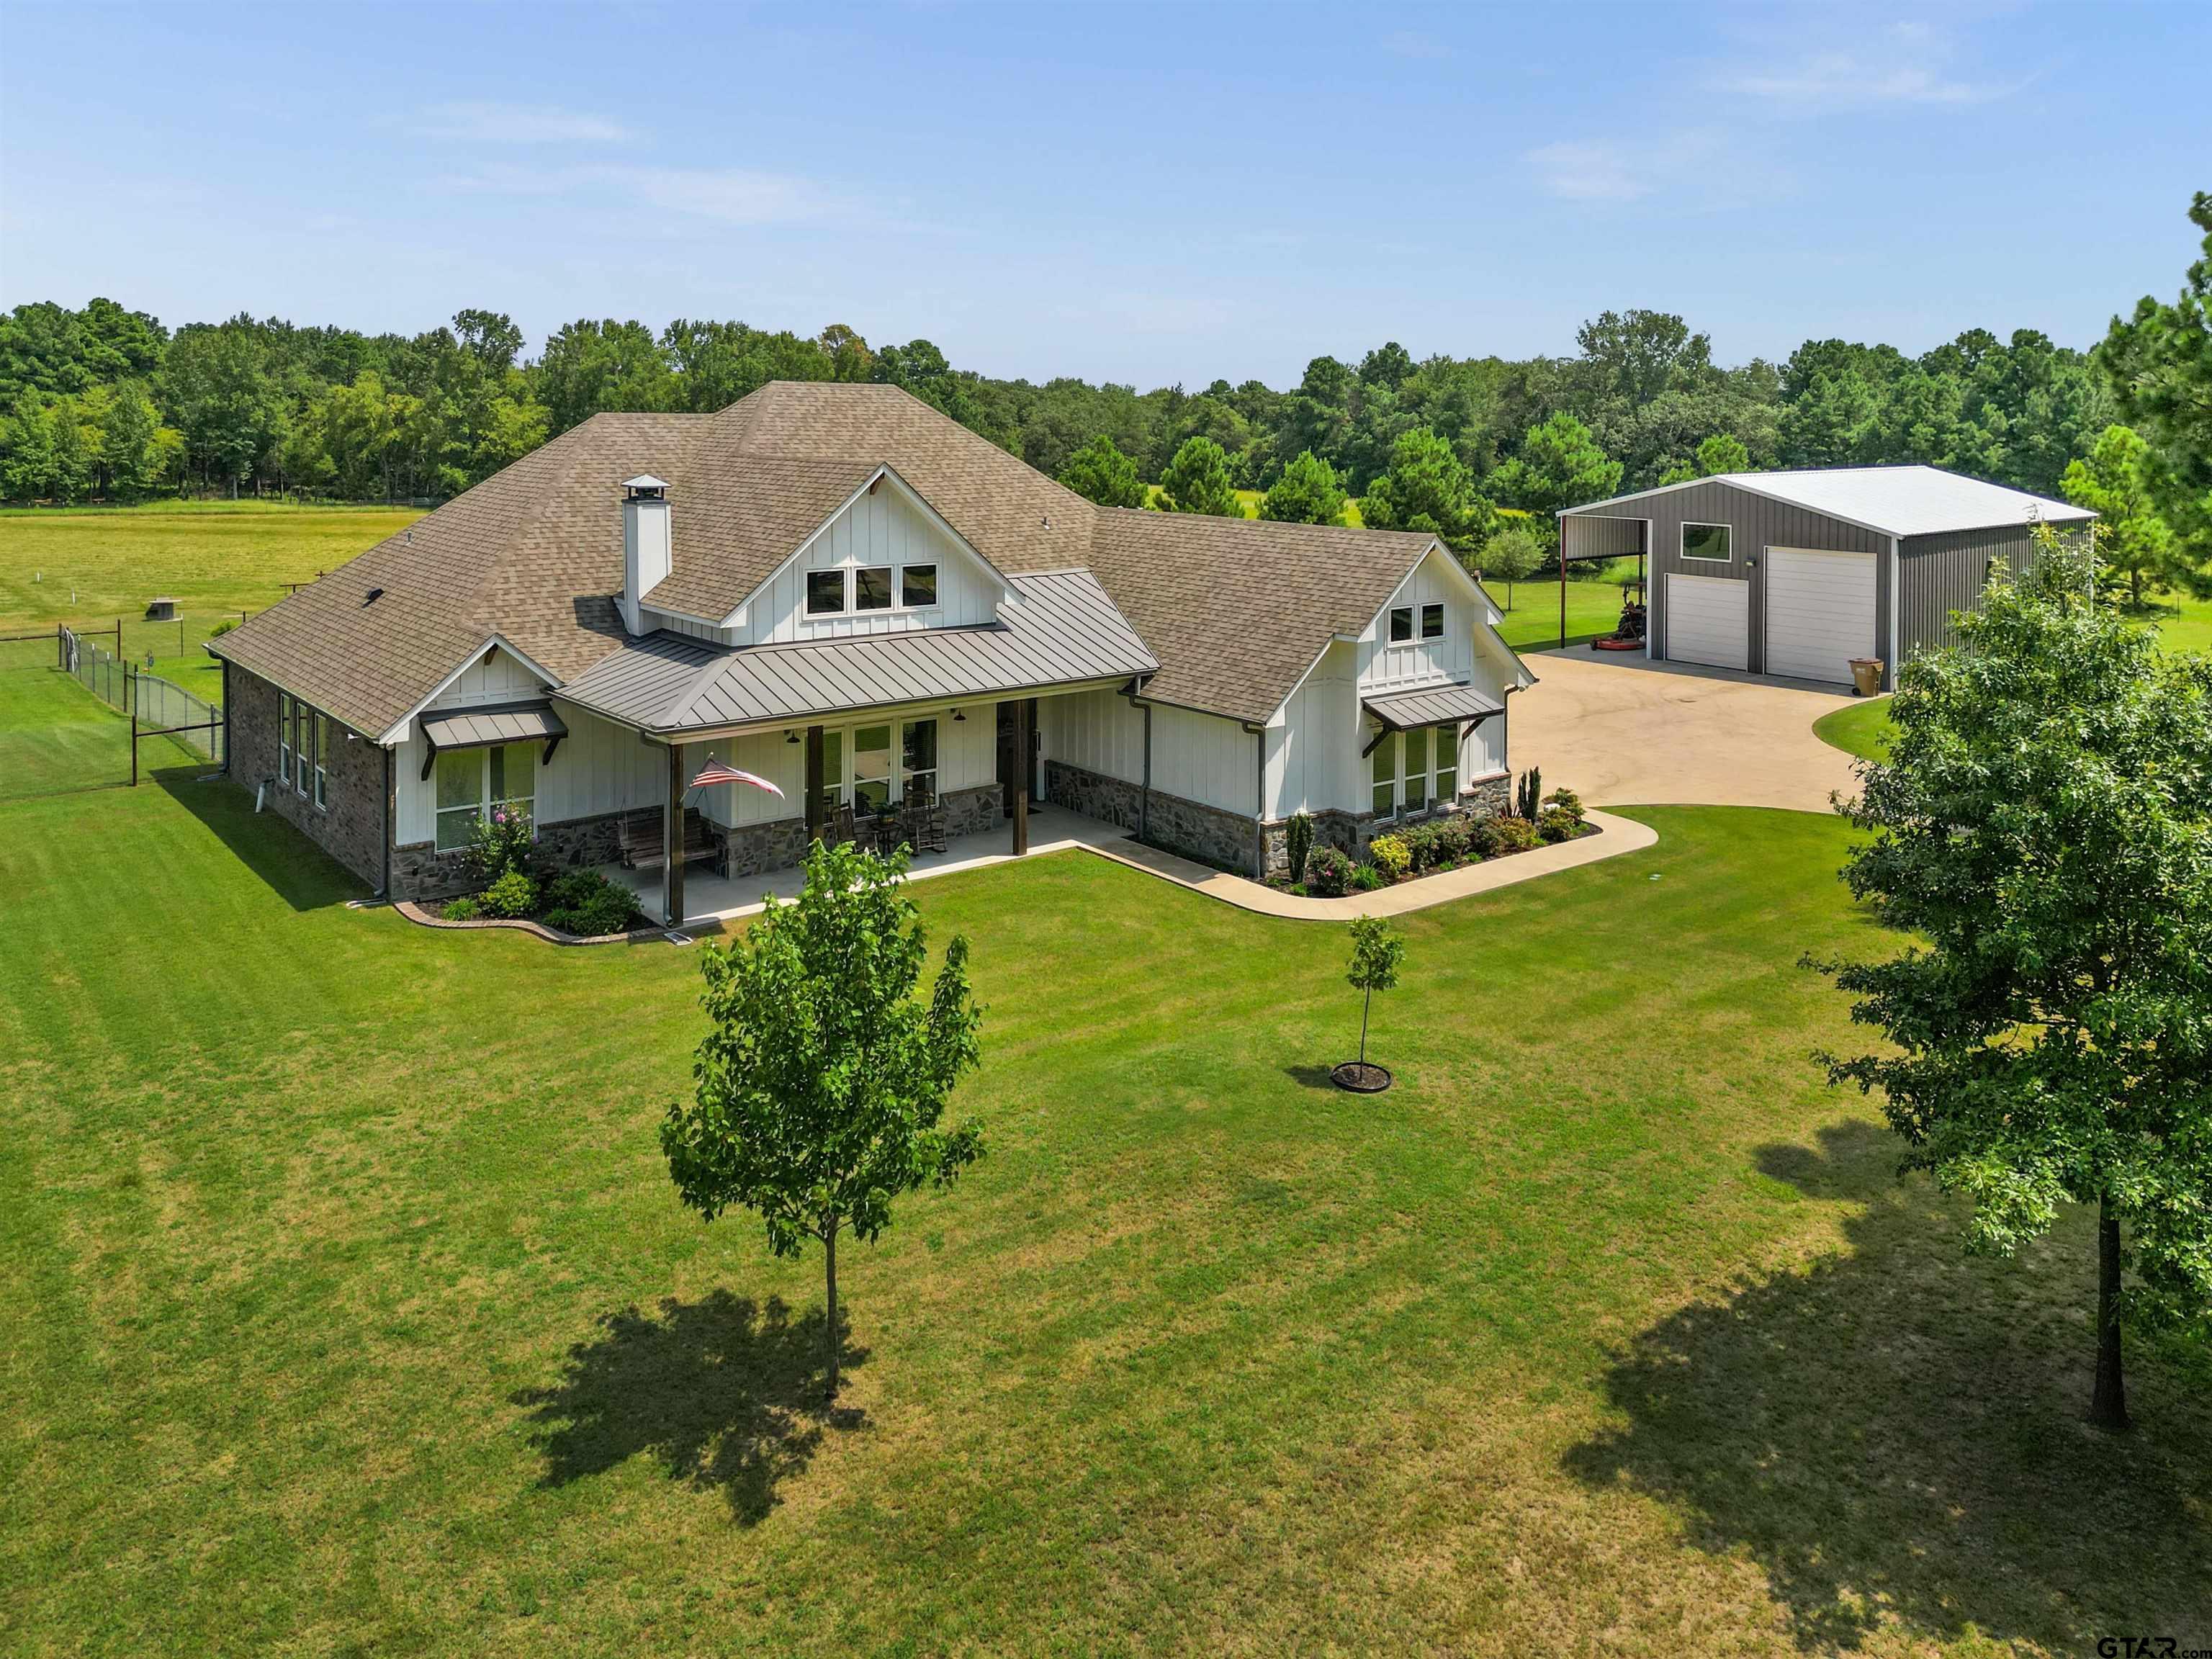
(1114, 192)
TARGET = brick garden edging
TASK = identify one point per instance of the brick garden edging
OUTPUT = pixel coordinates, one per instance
(424, 918)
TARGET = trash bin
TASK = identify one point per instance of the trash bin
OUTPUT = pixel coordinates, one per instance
(1866, 675)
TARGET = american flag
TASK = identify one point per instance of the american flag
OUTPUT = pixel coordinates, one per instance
(715, 772)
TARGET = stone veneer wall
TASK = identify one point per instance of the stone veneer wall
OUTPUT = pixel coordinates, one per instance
(420, 872)
(1211, 835)
(780, 844)
(349, 827)
(1351, 832)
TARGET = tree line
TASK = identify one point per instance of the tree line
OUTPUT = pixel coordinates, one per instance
(107, 404)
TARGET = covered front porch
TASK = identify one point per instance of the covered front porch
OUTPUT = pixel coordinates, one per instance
(705, 897)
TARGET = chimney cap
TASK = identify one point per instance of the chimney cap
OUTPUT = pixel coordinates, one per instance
(643, 483)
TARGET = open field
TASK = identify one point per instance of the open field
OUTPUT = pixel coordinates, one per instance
(216, 559)
(352, 1311)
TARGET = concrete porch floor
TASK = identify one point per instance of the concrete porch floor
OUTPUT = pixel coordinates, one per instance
(709, 897)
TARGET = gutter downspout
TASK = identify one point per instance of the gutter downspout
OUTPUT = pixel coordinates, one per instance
(384, 890)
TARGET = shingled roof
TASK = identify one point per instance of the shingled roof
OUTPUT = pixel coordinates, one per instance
(1235, 610)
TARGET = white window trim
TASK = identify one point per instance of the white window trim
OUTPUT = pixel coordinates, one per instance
(1441, 739)
(849, 587)
(840, 789)
(483, 803)
(1682, 534)
(1413, 625)
(1443, 622)
(844, 575)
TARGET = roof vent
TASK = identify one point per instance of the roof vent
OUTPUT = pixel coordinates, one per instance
(645, 488)
(371, 596)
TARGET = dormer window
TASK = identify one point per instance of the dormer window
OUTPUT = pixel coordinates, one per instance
(825, 592)
(917, 586)
(872, 587)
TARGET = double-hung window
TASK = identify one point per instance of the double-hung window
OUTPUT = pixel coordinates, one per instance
(872, 769)
(918, 757)
(1414, 767)
(284, 737)
(836, 788)
(322, 759)
(471, 782)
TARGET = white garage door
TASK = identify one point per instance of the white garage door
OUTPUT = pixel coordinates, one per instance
(1819, 612)
(1708, 620)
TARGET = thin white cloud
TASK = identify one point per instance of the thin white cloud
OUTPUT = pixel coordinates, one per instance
(1701, 166)
(518, 124)
(1904, 63)
(732, 196)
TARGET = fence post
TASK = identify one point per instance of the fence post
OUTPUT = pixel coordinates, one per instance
(134, 751)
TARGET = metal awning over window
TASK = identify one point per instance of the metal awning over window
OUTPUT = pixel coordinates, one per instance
(483, 728)
(1432, 705)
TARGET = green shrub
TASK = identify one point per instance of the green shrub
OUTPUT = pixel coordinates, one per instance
(1555, 824)
(1423, 843)
(221, 628)
(511, 894)
(1507, 834)
(1366, 879)
(1328, 872)
(464, 909)
(1567, 801)
(1297, 842)
(1529, 794)
(1455, 842)
(1393, 858)
(585, 902)
(499, 844)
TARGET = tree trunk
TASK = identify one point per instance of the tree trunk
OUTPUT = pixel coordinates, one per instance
(2108, 1407)
(829, 1261)
(1366, 1005)
(2135, 589)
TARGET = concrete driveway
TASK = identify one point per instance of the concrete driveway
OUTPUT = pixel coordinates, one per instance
(1620, 730)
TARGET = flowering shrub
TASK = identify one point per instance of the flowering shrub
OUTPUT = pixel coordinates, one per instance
(500, 842)
(1328, 872)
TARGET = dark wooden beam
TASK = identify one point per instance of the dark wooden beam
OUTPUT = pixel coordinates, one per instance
(815, 783)
(1022, 778)
(672, 831)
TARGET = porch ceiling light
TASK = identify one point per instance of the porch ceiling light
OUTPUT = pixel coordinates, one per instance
(790, 736)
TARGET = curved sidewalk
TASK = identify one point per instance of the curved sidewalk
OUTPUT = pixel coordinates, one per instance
(1616, 835)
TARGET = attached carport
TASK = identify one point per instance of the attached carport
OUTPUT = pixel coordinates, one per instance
(1794, 574)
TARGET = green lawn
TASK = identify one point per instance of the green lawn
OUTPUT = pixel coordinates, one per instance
(2184, 624)
(1862, 728)
(350, 1309)
(216, 559)
(1533, 623)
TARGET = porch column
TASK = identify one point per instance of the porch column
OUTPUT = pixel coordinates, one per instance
(813, 785)
(672, 832)
(1021, 777)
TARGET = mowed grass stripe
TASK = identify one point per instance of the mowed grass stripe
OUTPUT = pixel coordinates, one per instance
(357, 1314)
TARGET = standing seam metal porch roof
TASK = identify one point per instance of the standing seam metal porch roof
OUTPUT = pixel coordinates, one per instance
(1065, 630)
(1432, 705)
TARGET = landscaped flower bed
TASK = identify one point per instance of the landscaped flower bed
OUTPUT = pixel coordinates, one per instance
(582, 903)
(1439, 845)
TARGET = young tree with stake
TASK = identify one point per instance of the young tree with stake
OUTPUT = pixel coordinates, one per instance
(823, 1084)
(1377, 953)
(2043, 824)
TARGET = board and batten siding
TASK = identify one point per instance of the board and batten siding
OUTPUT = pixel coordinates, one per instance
(1382, 666)
(598, 767)
(1755, 524)
(1946, 573)
(1313, 739)
(884, 528)
(1099, 731)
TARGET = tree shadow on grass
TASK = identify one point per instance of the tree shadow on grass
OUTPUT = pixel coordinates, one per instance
(1897, 1433)
(725, 1392)
(1310, 1077)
